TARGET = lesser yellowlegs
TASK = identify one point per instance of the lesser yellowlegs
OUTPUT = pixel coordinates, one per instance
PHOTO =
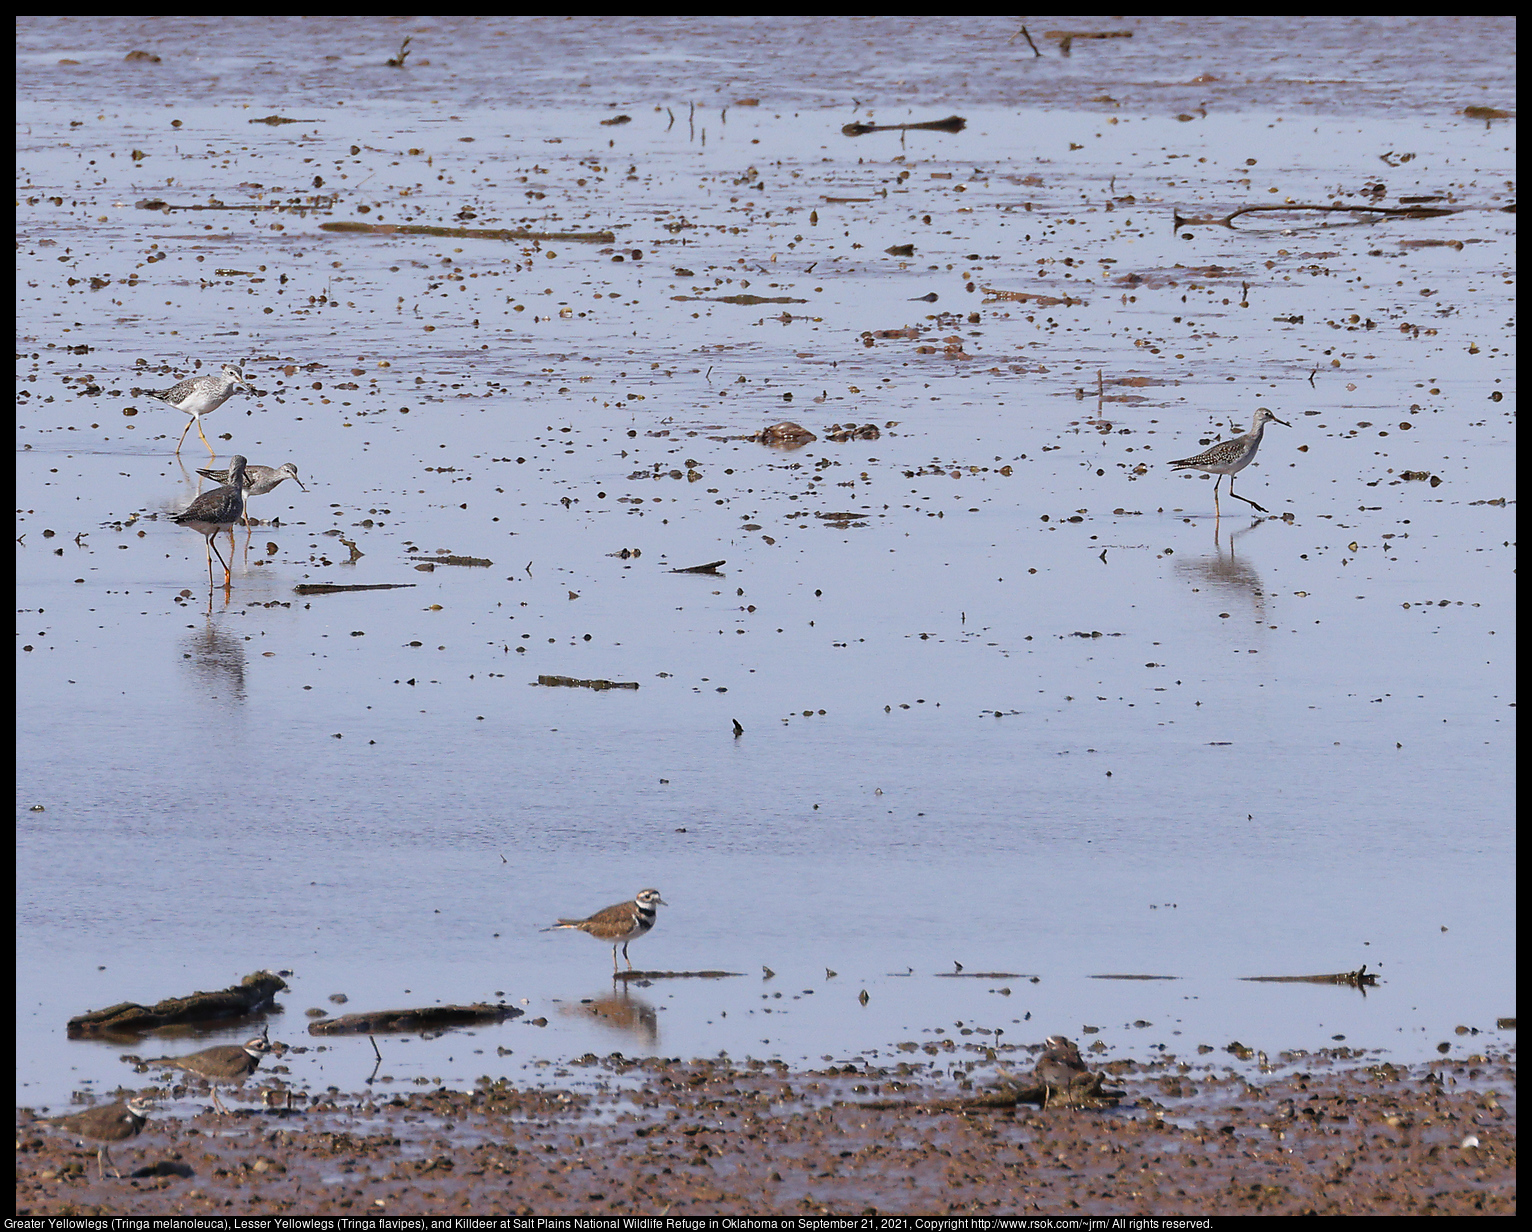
(217, 510)
(619, 923)
(226, 1063)
(106, 1124)
(201, 395)
(259, 480)
(1231, 457)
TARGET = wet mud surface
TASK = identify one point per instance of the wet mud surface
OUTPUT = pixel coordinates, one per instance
(1324, 1135)
(804, 545)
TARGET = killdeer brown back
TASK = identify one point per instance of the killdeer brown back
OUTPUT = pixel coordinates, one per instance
(106, 1124)
(227, 1063)
(619, 923)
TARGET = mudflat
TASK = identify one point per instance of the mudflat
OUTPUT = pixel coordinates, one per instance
(1318, 1134)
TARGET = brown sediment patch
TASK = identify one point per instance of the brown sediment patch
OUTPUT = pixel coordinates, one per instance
(1327, 1135)
(472, 233)
(787, 434)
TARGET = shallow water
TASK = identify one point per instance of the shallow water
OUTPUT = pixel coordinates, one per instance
(1288, 751)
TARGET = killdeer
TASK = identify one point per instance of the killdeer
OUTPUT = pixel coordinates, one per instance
(106, 1123)
(1231, 457)
(619, 923)
(259, 480)
(202, 395)
(217, 510)
(227, 1063)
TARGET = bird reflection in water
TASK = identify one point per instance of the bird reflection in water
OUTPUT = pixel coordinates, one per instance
(1224, 575)
(217, 660)
(621, 1011)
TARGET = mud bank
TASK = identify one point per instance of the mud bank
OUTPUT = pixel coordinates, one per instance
(1319, 1135)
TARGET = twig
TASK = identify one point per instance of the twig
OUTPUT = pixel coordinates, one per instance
(1413, 211)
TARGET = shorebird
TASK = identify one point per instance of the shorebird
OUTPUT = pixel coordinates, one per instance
(202, 395)
(1060, 1070)
(217, 510)
(1231, 457)
(619, 923)
(259, 480)
(106, 1124)
(226, 1063)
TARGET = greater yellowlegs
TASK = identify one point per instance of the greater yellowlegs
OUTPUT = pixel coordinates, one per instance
(1232, 456)
(226, 1063)
(202, 395)
(259, 480)
(106, 1124)
(217, 510)
(619, 923)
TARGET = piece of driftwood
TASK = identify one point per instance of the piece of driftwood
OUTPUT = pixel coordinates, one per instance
(1042, 301)
(472, 233)
(569, 682)
(1133, 977)
(253, 993)
(1410, 211)
(426, 1018)
(313, 203)
(980, 975)
(751, 300)
(1066, 38)
(710, 567)
(478, 561)
(329, 588)
(674, 975)
(1360, 978)
(952, 124)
